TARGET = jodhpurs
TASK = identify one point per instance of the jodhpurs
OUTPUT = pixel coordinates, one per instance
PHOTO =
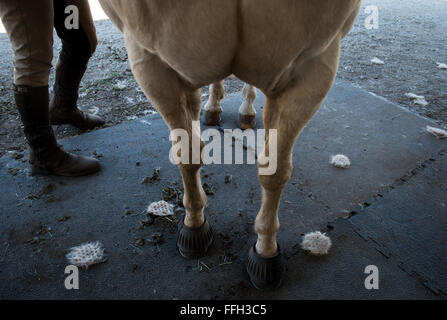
(29, 25)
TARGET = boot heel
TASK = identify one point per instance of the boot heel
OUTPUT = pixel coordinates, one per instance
(39, 171)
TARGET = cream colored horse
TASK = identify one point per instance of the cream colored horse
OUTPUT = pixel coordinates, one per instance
(289, 49)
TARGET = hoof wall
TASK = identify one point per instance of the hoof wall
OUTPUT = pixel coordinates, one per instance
(247, 121)
(193, 243)
(265, 273)
(211, 118)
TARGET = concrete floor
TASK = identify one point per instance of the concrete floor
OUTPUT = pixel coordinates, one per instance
(387, 210)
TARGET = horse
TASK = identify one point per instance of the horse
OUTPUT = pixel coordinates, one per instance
(288, 49)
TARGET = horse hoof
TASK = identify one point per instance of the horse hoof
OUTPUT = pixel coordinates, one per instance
(265, 273)
(247, 121)
(211, 118)
(193, 243)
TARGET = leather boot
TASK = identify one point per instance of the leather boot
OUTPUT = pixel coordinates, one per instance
(63, 105)
(46, 156)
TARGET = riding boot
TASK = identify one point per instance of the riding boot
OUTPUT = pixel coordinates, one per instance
(63, 105)
(46, 156)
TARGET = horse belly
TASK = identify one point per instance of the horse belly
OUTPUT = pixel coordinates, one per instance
(196, 38)
(277, 37)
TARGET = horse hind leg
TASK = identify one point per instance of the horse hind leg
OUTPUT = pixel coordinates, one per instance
(247, 112)
(213, 109)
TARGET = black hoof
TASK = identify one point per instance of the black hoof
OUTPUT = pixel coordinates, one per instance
(211, 118)
(193, 243)
(247, 121)
(265, 273)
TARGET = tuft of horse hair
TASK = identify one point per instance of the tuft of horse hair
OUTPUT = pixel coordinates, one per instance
(86, 254)
(316, 243)
(160, 209)
(438, 133)
(341, 161)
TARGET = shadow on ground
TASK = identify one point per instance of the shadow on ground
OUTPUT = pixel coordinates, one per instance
(387, 210)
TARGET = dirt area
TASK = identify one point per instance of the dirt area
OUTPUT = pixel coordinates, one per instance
(410, 40)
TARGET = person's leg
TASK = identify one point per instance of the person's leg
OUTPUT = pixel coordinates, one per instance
(29, 25)
(78, 46)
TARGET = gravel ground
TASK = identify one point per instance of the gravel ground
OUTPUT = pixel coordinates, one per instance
(410, 40)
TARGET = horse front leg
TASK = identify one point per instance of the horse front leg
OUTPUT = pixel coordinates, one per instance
(286, 114)
(179, 104)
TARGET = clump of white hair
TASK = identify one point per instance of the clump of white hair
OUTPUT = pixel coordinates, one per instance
(376, 60)
(316, 243)
(340, 161)
(438, 133)
(86, 254)
(161, 209)
(420, 100)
